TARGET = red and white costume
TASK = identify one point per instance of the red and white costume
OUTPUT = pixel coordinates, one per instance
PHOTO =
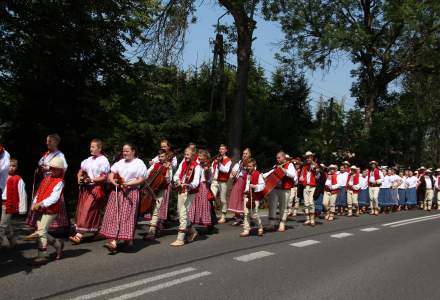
(220, 176)
(375, 178)
(256, 178)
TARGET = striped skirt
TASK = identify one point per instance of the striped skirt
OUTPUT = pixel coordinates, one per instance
(411, 196)
(364, 198)
(119, 221)
(200, 209)
(402, 196)
(384, 197)
(61, 221)
(88, 211)
(318, 203)
(236, 201)
(341, 198)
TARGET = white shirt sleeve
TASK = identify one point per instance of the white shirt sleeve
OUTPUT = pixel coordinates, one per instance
(269, 172)
(4, 193)
(291, 172)
(4, 169)
(261, 184)
(155, 159)
(54, 196)
(22, 206)
(236, 167)
(150, 169)
(225, 168)
(177, 175)
(196, 179)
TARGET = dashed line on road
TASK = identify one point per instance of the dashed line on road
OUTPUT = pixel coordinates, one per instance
(253, 256)
(341, 235)
(305, 243)
(369, 229)
(162, 286)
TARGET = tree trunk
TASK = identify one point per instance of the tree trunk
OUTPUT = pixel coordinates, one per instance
(370, 107)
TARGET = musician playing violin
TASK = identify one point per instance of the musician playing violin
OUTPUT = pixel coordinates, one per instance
(279, 196)
(165, 167)
(166, 147)
(187, 179)
(221, 169)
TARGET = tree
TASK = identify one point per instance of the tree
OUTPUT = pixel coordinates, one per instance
(386, 39)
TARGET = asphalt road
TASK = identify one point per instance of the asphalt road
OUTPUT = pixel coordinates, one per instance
(392, 256)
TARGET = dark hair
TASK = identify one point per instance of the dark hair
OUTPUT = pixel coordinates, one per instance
(223, 145)
(13, 160)
(252, 161)
(55, 137)
(98, 142)
(132, 147)
(161, 152)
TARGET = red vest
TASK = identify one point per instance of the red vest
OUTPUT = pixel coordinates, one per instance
(334, 179)
(287, 183)
(304, 172)
(186, 169)
(44, 190)
(256, 196)
(222, 177)
(375, 174)
(355, 182)
(12, 196)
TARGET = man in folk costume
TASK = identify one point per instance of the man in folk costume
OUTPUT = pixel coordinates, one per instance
(47, 203)
(420, 191)
(252, 197)
(167, 172)
(375, 178)
(166, 147)
(14, 201)
(91, 178)
(221, 170)
(330, 193)
(293, 205)
(4, 167)
(309, 181)
(187, 179)
(437, 187)
(426, 186)
(353, 189)
(279, 196)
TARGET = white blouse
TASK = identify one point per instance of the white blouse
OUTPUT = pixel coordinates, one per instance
(402, 185)
(411, 182)
(342, 179)
(45, 160)
(363, 182)
(130, 170)
(236, 168)
(386, 182)
(96, 166)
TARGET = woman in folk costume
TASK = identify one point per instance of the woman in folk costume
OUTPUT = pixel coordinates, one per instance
(165, 166)
(62, 220)
(401, 190)
(308, 180)
(330, 193)
(318, 196)
(279, 196)
(4, 167)
(384, 191)
(411, 190)
(14, 202)
(202, 211)
(364, 196)
(394, 193)
(375, 178)
(252, 196)
(353, 189)
(236, 198)
(426, 186)
(47, 205)
(187, 180)
(341, 199)
(91, 178)
(221, 170)
(119, 221)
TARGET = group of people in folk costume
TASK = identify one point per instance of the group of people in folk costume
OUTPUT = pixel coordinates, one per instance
(201, 183)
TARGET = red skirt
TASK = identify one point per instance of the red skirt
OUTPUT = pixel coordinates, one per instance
(60, 222)
(236, 201)
(88, 210)
(200, 209)
(119, 221)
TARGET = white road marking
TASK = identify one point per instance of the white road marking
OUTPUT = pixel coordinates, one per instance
(305, 243)
(341, 235)
(412, 219)
(133, 284)
(161, 286)
(253, 256)
(415, 221)
(369, 229)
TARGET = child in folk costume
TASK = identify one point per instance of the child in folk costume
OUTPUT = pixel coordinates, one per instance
(411, 190)
(437, 187)
(401, 190)
(353, 189)
(14, 201)
(426, 186)
(375, 178)
(166, 167)
(364, 197)
(252, 196)
(119, 221)
(341, 199)
(330, 193)
(62, 220)
(221, 170)
(202, 211)
(318, 195)
(236, 198)
(4, 167)
(279, 196)
(308, 180)
(46, 204)
(91, 178)
(187, 180)
(293, 205)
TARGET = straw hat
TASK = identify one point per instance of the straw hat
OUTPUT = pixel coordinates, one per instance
(57, 163)
(353, 167)
(309, 153)
(345, 163)
(373, 162)
(335, 167)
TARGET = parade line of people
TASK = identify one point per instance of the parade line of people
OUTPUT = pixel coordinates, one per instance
(111, 197)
